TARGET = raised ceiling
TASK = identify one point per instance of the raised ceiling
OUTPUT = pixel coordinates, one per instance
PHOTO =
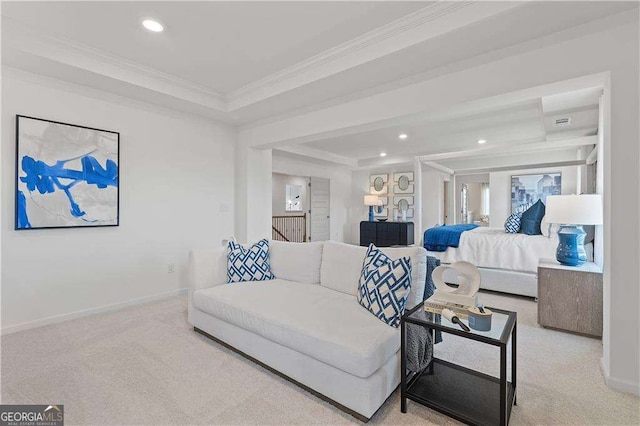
(520, 126)
(253, 62)
(234, 61)
(222, 46)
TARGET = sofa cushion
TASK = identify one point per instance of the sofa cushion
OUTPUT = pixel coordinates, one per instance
(384, 285)
(248, 264)
(299, 262)
(342, 265)
(321, 323)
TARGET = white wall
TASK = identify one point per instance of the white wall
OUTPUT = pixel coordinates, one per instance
(500, 189)
(175, 176)
(340, 188)
(433, 198)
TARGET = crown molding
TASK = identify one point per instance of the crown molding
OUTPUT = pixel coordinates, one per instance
(521, 146)
(436, 19)
(429, 22)
(319, 154)
(439, 167)
(170, 110)
(23, 38)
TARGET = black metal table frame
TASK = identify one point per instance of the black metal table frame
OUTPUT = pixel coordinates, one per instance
(510, 330)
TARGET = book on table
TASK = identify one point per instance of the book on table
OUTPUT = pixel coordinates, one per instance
(436, 307)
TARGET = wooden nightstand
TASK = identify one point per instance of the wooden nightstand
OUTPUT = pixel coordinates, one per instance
(570, 297)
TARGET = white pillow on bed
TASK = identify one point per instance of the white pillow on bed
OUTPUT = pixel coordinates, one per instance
(548, 229)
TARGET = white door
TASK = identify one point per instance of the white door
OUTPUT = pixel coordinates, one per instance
(319, 209)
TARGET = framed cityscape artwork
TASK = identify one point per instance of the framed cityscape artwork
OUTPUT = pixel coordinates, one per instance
(527, 189)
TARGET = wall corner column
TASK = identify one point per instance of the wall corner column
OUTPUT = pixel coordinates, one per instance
(253, 171)
(417, 202)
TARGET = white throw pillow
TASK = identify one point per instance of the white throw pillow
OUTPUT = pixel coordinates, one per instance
(548, 229)
(299, 262)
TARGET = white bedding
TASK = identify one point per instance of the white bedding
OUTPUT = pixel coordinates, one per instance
(494, 248)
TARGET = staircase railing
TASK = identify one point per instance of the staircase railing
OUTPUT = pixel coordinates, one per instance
(289, 228)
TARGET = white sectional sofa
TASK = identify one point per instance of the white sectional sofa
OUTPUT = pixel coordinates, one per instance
(306, 324)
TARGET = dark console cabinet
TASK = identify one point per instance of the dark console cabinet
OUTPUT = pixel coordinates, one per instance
(386, 234)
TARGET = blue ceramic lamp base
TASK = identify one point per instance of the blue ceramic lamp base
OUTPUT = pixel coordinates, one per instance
(570, 250)
(371, 218)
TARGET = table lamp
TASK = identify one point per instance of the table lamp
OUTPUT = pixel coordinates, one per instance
(571, 212)
(372, 200)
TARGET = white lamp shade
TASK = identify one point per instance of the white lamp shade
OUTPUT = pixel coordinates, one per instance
(583, 209)
(372, 200)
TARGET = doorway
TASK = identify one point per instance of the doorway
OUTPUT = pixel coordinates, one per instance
(290, 203)
(473, 197)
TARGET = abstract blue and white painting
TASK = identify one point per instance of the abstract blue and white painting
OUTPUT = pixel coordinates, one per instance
(67, 175)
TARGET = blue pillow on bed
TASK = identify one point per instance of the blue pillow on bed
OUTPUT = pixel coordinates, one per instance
(512, 224)
(532, 218)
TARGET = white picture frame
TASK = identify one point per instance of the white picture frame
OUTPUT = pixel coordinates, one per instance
(384, 176)
(410, 175)
(410, 213)
(396, 200)
(397, 190)
(376, 178)
(383, 213)
(384, 191)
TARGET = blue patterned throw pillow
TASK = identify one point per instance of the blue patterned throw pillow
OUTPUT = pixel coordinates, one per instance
(512, 224)
(248, 264)
(384, 285)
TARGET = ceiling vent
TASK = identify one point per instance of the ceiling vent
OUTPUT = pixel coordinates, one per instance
(563, 121)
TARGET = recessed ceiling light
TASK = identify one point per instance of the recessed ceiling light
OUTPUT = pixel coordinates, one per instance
(482, 141)
(152, 25)
(383, 154)
(403, 136)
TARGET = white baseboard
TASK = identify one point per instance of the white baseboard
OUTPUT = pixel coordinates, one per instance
(86, 312)
(619, 385)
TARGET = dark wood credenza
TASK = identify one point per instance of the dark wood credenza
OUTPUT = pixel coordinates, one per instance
(386, 234)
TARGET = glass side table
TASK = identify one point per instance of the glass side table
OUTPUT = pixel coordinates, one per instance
(464, 394)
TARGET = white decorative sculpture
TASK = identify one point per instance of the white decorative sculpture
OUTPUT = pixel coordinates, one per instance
(465, 293)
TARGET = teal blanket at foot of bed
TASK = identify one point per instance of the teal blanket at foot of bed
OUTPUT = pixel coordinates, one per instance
(442, 237)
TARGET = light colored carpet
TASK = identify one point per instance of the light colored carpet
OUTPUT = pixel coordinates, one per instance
(145, 365)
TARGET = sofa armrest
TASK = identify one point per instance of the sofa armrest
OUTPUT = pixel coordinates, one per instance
(207, 268)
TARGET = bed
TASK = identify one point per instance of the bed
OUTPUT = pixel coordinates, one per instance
(508, 262)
